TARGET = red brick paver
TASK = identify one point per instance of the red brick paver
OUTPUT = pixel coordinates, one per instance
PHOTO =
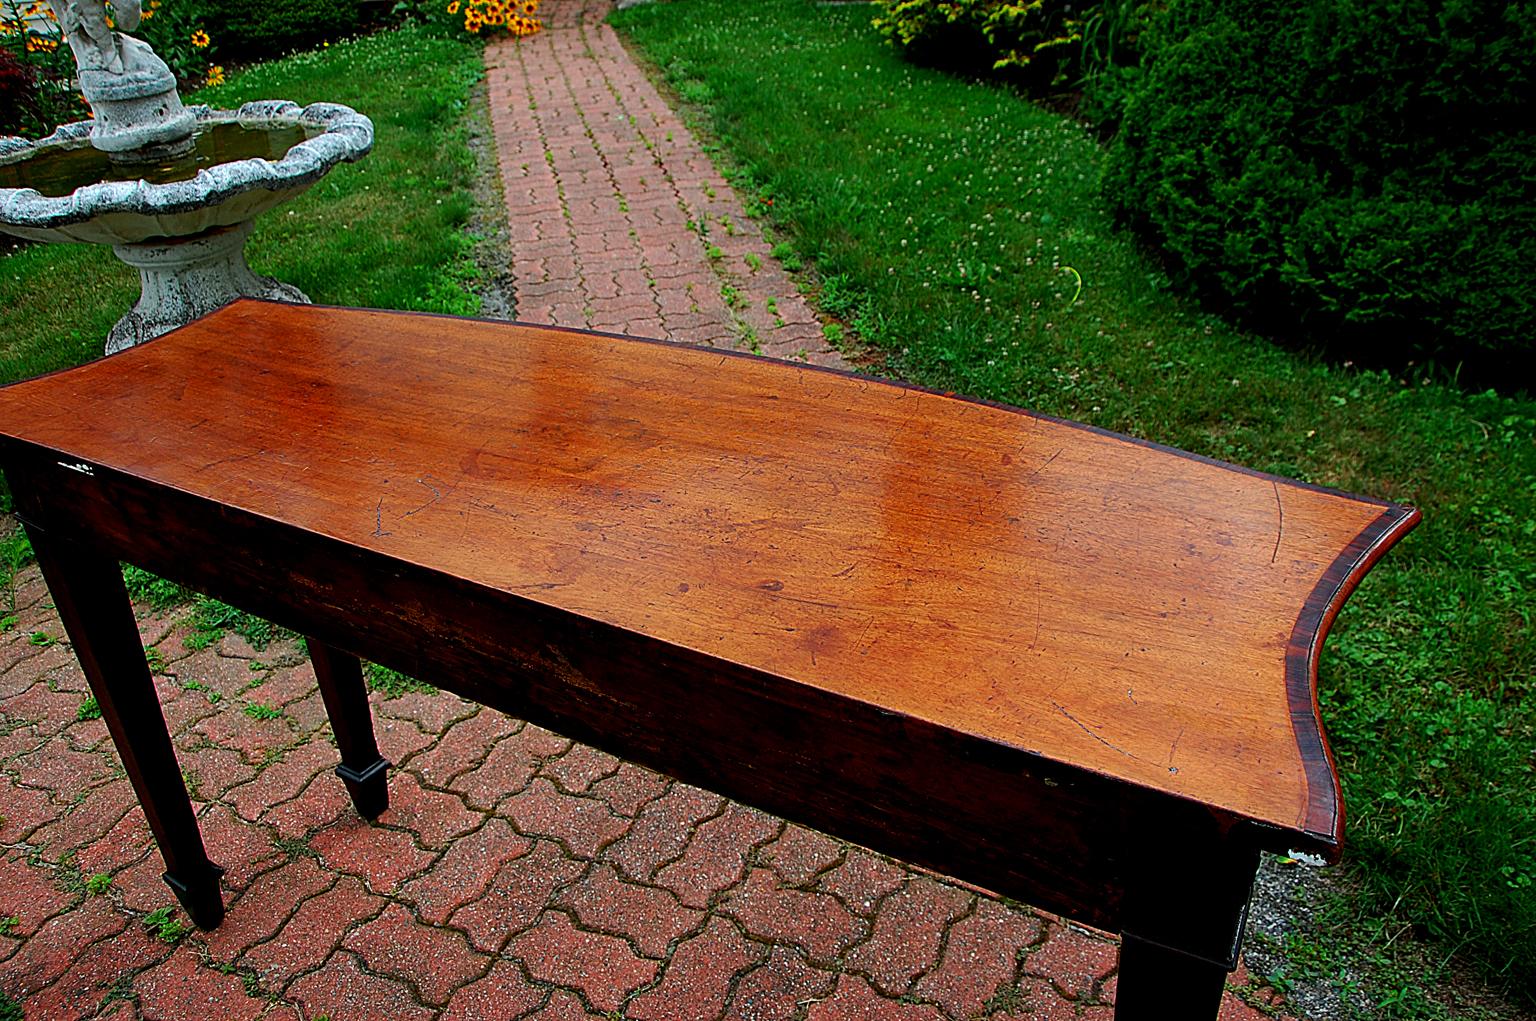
(516, 874)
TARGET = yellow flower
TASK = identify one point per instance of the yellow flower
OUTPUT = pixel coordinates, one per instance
(215, 75)
(149, 12)
(453, 8)
(200, 39)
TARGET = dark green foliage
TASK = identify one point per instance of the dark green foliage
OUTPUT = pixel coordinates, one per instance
(1032, 42)
(1042, 46)
(153, 590)
(1361, 173)
(18, 93)
(247, 31)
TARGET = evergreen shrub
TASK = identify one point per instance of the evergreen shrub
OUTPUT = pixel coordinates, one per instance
(247, 31)
(1360, 173)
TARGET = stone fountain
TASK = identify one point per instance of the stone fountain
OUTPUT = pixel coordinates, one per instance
(174, 190)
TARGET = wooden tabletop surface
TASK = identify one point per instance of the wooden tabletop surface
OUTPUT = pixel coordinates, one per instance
(1134, 610)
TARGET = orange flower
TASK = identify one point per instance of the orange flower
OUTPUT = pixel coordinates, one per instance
(215, 75)
(200, 39)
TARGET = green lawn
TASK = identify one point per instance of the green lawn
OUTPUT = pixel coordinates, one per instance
(960, 231)
(385, 232)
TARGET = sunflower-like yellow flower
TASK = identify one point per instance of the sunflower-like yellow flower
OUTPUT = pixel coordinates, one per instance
(215, 75)
(200, 39)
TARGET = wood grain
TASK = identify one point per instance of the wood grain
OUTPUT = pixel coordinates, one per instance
(1011, 581)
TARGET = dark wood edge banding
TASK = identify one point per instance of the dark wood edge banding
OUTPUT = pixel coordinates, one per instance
(1324, 817)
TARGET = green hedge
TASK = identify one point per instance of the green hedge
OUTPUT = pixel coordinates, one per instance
(1356, 172)
(260, 31)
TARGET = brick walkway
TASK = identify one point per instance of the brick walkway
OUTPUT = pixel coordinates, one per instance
(618, 221)
(516, 874)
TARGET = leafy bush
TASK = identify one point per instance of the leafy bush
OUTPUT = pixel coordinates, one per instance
(18, 93)
(1032, 41)
(1361, 172)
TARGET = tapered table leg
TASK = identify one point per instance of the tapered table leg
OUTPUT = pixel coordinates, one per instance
(1183, 931)
(362, 768)
(93, 604)
(1158, 984)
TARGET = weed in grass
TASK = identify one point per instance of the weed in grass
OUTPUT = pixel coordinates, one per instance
(146, 588)
(193, 783)
(785, 253)
(211, 620)
(98, 883)
(392, 683)
(833, 332)
(295, 848)
(15, 552)
(162, 926)
(90, 709)
(748, 339)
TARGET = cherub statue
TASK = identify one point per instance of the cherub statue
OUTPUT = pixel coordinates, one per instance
(97, 47)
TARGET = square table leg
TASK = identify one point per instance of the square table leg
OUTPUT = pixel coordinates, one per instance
(362, 768)
(93, 604)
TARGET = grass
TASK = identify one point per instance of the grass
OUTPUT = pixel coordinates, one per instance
(384, 233)
(959, 231)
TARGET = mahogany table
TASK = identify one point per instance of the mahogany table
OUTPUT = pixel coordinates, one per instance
(1071, 667)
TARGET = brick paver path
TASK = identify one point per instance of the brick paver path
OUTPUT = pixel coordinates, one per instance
(516, 874)
(618, 221)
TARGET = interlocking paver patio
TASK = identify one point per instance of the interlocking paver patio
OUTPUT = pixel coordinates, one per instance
(517, 874)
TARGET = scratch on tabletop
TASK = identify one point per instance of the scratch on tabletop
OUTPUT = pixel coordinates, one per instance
(1175, 747)
(1280, 526)
(378, 520)
(1103, 741)
(437, 494)
(1035, 641)
(232, 457)
(1044, 466)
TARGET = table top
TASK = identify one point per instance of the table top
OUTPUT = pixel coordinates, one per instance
(1140, 612)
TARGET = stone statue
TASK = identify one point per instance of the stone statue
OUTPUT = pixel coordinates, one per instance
(139, 116)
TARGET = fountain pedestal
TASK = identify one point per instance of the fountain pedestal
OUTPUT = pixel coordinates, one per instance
(184, 278)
